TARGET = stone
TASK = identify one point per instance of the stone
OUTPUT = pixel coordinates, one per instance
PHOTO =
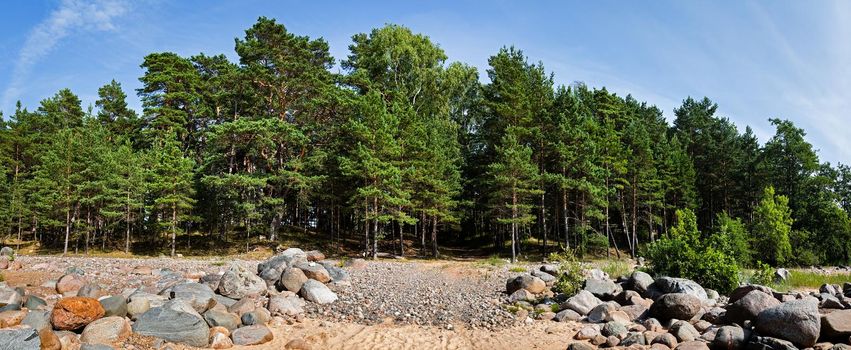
(211, 280)
(285, 305)
(357, 264)
(521, 295)
(91, 290)
(684, 331)
(769, 343)
(829, 301)
(551, 269)
(547, 278)
(242, 306)
(652, 324)
(797, 321)
(669, 285)
(635, 312)
(639, 281)
(317, 292)
(49, 340)
(567, 315)
(200, 296)
(604, 289)
(601, 313)
(836, 324)
(587, 333)
(271, 269)
(692, 345)
(137, 307)
(749, 306)
(578, 345)
(679, 306)
(292, 279)
(220, 341)
(633, 338)
(221, 319)
(153, 299)
(527, 282)
(34, 302)
(829, 289)
(19, 338)
(224, 301)
(730, 338)
(38, 319)
(176, 321)
(106, 330)
(616, 329)
(337, 274)
(252, 335)
(583, 302)
(297, 344)
(70, 283)
(75, 313)
(741, 291)
(238, 282)
(88, 346)
(666, 339)
(7, 252)
(68, 340)
(115, 305)
(11, 318)
(781, 275)
(314, 255)
(9, 296)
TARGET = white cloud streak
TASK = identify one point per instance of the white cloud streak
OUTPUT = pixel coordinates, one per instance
(72, 16)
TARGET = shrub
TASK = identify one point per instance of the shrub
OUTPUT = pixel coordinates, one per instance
(570, 277)
(763, 274)
(771, 225)
(683, 254)
(731, 238)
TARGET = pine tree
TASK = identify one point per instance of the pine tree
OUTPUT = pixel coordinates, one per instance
(171, 185)
(771, 227)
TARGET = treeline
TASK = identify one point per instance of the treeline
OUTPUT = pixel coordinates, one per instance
(401, 147)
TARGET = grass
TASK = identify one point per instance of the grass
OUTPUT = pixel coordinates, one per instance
(492, 261)
(616, 268)
(517, 269)
(803, 279)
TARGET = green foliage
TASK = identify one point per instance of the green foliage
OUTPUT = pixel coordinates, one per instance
(616, 268)
(683, 254)
(517, 269)
(570, 278)
(731, 238)
(763, 274)
(771, 226)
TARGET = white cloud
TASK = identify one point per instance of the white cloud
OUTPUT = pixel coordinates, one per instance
(72, 16)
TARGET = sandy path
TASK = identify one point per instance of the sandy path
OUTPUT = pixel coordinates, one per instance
(330, 335)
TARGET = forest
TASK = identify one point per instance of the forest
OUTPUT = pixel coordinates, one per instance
(402, 151)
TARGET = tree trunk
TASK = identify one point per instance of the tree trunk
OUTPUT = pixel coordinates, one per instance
(544, 220)
(173, 228)
(513, 225)
(67, 228)
(434, 251)
(566, 222)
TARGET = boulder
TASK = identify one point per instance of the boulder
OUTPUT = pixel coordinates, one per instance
(314, 271)
(601, 313)
(242, 306)
(68, 340)
(34, 303)
(749, 306)
(106, 330)
(176, 321)
(292, 279)
(238, 282)
(337, 274)
(314, 255)
(10, 296)
(797, 321)
(11, 318)
(226, 320)
(781, 275)
(836, 324)
(211, 280)
(7, 252)
(567, 315)
(220, 341)
(741, 291)
(252, 335)
(679, 306)
(547, 278)
(684, 331)
(604, 289)
(69, 283)
(317, 292)
(580, 345)
(91, 290)
(19, 338)
(550, 269)
(730, 338)
(75, 313)
(768, 343)
(38, 319)
(633, 338)
(200, 296)
(114, 306)
(616, 329)
(692, 345)
(49, 340)
(639, 281)
(137, 307)
(668, 285)
(527, 282)
(521, 295)
(285, 305)
(583, 302)
(271, 269)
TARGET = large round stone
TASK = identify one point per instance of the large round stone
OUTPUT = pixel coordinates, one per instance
(797, 321)
(749, 306)
(176, 321)
(75, 313)
(679, 306)
(106, 330)
(238, 282)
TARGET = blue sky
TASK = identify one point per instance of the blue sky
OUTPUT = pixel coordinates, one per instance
(757, 60)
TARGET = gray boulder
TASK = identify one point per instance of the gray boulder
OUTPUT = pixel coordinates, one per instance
(115, 305)
(314, 271)
(271, 269)
(605, 289)
(336, 272)
(317, 292)
(730, 338)
(224, 319)
(252, 335)
(836, 325)
(7, 252)
(547, 278)
(38, 319)
(292, 279)
(749, 306)
(781, 275)
(200, 296)
(583, 302)
(176, 321)
(668, 285)
(613, 329)
(684, 331)
(639, 281)
(567, 315)
(741, 291)
(34, 302)
(679, 306)
(768, 343)
(601, 313)
(19, 338)
(285, 305)
(238, 282)
(797, 321)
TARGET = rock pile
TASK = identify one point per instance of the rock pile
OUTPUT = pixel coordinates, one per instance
(675, 313)
(196, 309)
